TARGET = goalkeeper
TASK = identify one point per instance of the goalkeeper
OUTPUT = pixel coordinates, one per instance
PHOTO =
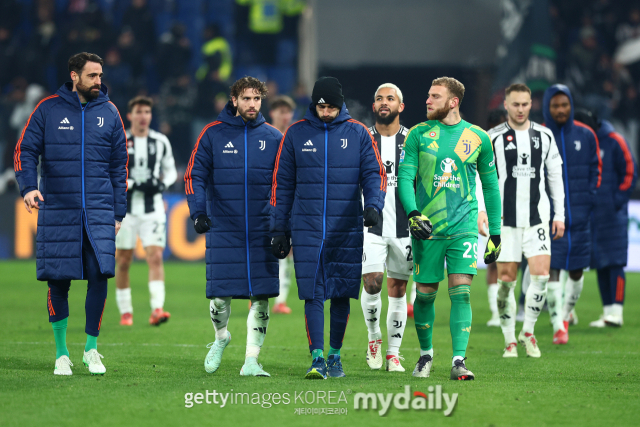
(445, 152)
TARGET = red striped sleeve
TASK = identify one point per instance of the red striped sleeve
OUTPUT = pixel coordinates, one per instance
(597, 150)
(125, 147)
(274, 183)
(383, 175)
(17, 162)
(188, 187)
(628, 176)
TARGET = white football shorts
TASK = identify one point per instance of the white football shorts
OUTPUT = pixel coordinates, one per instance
(392, 252)
(151, 227)
(527, 241)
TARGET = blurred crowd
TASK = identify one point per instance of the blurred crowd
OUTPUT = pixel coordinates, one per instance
(598, 47)
(185, 54)
(181, 53)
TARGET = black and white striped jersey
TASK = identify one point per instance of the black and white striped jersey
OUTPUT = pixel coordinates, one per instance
(521, 157)
(393, 219)
(149, 157)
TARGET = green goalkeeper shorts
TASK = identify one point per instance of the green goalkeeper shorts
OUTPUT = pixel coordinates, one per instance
(460, 252)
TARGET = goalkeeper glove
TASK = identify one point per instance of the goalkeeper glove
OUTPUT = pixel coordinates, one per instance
(492, 252)
(370, 217)
(420, 226)
(280, 246)
(202, 224)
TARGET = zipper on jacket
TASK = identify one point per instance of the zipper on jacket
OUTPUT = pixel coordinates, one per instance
(324, 208)
(566, 194)
(84, 211)
(246, 209)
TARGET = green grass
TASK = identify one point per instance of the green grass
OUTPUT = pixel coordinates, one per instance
(590, 381)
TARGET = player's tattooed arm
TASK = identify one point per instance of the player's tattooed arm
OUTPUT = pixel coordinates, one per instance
(372, 282)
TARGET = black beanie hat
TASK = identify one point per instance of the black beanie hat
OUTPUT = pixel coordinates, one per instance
(327, 90)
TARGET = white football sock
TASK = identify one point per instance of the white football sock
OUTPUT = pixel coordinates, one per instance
(507, 308)
(526, 280)
(285, 280)
(396, 322)
(573, 289)
(492, 294)
(257, 323)
(554, 301)
(425, 352)
(454, 358)
(220, 309)
(156, 291)
(534, 301)
(615, 310)
(123, 299)
(412, 298)
(371, 307)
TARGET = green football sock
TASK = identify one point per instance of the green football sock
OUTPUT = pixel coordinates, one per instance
(92, 342)
(460, 318)
(60, 335)
(317, 353)
(424, 314)
(333, 351)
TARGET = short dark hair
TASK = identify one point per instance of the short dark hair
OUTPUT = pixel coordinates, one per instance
(455, 88)
(79, 60)
(282, 101)
(139, 100)
(248, 82)
(517, 87)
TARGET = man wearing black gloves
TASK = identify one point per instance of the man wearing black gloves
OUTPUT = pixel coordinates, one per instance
(152, 169)
(325, 163)
(229, 178)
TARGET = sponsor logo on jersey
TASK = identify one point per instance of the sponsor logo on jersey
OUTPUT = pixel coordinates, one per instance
(433, 146)
(536, 142)
(510, 146)
(65, 121)
(447, 179)
(402, 156)
(578, 145)
(474, 265)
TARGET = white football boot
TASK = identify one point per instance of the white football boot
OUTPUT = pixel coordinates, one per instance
(63, 366)
(423, 367)
(214, 356)
(598, 323)
(393, 364)
(530, 344)
(91, 360)
(511, 350)
(374, 354)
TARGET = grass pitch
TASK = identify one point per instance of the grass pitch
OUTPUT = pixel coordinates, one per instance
(590, 381)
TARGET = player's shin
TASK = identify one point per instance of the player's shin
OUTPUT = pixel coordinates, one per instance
(220, 309)
(371, 308)
(554, 301)
(156, 293)
(460, 319)
(396, 323)
(123, 300)
(424, 312)
(573, 289)
(257, 323)
(534, 301)
(507, 309)
(285, 280)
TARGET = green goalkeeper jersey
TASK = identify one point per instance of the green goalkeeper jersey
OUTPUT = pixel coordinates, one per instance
(446, 159)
